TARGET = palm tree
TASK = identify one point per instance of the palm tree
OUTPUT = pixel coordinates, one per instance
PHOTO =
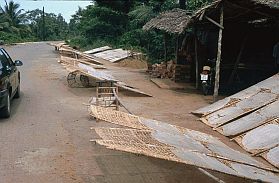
(12, 18)
(3, 21)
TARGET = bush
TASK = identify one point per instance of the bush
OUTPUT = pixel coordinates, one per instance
(9, 38)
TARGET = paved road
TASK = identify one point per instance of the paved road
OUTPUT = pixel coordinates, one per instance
(47, 137)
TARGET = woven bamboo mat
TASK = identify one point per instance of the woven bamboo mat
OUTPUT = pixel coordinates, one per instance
(162, 152)
(130, 135)
(116, 117)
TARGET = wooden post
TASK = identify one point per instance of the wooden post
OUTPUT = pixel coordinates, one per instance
(177, 49)
(219, 52)
(165, 47)
(117, 101)
(197, 61)
(237, 60)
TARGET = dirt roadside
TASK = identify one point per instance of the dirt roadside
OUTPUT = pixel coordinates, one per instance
(47, 137)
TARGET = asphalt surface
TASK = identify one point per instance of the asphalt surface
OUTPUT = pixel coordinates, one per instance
(47, 137)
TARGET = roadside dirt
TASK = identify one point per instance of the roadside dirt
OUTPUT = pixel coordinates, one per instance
(133, 63)
(47, 137)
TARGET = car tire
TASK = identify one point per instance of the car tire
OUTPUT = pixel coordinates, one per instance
(17, 94)
(6, 110)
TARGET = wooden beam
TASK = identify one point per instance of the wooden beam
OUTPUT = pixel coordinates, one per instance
(219, 54)
(196, 61)
(237, 60)
(201, 16)
(214, 22)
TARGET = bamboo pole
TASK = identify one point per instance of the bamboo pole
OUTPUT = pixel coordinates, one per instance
(197, 62)
(219, 53)
(215, 23)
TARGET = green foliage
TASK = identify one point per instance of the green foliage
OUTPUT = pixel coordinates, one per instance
(12, 22)
(119, 24)
(101, 22)
(79, 41)
(140, 15)
(10, 38)
(54, 27)
(196, 4)
(16, 26)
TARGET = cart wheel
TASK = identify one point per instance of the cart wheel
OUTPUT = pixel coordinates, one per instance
(84, 80)
(71, 79)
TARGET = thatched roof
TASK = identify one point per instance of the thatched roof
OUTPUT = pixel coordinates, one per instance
(239, 10)
(174, 21)
(177, 20)
(269, 3)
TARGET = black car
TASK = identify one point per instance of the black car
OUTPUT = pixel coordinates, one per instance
(9, 82)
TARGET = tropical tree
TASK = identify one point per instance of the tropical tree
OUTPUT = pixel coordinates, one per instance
(4, 25)
(51, 27)
(120, 22)
(13, 19)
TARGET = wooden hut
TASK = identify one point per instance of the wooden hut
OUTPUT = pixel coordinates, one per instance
(174, 22)
(240, 35)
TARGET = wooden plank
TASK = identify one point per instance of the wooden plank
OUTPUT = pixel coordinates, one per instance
(70, 51)
(97, 50)
(129, 88)
(160, 83)
(100, 75)
(214, 22)
(73, 61)
(113, 55)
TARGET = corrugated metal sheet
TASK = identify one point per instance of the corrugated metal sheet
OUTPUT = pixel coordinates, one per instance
(162, 140)
(253, 115)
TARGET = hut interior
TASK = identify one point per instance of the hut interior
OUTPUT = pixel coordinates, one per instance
(250, 32)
